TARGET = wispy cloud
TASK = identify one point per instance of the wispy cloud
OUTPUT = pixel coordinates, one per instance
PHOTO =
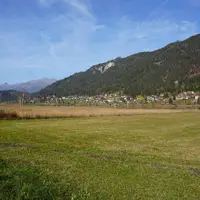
(63, 43)
(158, 11)
(82, 6)
(130, 36)
(75, 27)
(46, 2)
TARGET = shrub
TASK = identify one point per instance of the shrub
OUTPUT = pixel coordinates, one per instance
(2, 114)
(170, 101)
(11, 114)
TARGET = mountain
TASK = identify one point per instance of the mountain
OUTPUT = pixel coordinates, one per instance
(11, 96)
(30, 86)
(175, 67)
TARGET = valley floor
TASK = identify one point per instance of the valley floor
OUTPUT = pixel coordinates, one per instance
(153, 156)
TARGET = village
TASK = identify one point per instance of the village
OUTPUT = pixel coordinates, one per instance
(119, 100)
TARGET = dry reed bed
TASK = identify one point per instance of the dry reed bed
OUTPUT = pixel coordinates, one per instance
(37, 112)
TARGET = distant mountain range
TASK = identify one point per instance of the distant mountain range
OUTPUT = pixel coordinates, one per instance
(30, 86)
(175, 67)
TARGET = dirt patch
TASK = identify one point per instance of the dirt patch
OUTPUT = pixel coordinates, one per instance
(194, 171)
(58, 152)
(104, 157)
(11, 145)
(153, 165)
(166, 167)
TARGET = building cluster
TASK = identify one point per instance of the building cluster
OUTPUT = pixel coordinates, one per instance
(116, 99)
(188, 96)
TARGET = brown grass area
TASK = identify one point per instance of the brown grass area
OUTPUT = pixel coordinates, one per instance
(36, 112)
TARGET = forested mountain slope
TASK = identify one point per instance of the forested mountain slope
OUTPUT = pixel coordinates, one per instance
(11, 96)
(174, 67)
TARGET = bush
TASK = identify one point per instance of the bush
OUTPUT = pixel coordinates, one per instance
(170, 101)
(8, 114)
(2, 114)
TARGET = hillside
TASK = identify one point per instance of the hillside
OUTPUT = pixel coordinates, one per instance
(11, 96)
(174, 67)
(29, 86)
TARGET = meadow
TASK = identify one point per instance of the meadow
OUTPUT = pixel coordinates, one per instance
(142, 155)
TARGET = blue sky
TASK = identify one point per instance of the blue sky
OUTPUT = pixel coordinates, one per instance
(56, 38)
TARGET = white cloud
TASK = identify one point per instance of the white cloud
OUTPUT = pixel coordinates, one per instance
(74, 28)
(130, 30)
(72, 41)
(75, 41)
(82, 6)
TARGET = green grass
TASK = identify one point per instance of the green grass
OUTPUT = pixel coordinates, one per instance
(153, 156)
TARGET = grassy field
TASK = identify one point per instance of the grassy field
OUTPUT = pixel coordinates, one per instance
(149, 156)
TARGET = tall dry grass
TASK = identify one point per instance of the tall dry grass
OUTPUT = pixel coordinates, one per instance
(37, 112)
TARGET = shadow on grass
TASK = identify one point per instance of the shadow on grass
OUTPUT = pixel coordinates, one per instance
(27, 182)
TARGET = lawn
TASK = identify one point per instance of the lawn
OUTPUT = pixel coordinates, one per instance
(144, 156)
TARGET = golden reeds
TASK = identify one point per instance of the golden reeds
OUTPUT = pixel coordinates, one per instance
(37, 112)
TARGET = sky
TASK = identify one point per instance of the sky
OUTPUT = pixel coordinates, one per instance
(56, 38)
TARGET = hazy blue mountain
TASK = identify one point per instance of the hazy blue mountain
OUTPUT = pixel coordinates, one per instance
(29, 86)
(12, 96)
